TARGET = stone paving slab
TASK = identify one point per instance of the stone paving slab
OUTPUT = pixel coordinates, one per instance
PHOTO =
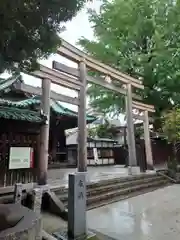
(152, 216)
(53, 223)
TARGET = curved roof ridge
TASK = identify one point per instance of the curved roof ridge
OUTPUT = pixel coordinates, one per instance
(6, 83)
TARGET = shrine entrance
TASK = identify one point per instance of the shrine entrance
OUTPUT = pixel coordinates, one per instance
(77, 79)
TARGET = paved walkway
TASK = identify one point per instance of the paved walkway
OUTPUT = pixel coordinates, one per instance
(60, 176)
(152, 216)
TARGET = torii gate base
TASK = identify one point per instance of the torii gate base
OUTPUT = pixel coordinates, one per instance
(133, 170)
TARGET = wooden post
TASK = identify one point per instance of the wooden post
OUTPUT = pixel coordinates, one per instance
(44, 132)
(147, 140)
(82, 132)
(130, 128)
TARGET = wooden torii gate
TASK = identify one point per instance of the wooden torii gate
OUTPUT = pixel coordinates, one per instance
(77, 80)
(74, 54)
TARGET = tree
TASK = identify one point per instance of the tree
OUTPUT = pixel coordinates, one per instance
(104, 130)
(171, 129)
(171, 125)
(91, 132)
(29, 30)
(140, 38)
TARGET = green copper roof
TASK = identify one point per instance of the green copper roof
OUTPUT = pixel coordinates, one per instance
(25, 104)
(56, 107)
(19, 114)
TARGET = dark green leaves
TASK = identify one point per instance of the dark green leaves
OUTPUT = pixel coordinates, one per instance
(141, 38)
(29, 30)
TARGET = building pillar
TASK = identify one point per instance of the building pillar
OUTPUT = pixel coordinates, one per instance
(54, 146)
(44, 133)
(54, 130)
(62, 144)
(148, 149)
(130, 133)
(125, 135)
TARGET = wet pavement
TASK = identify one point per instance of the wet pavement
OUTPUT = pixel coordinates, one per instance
(94, 174)
(152, 216)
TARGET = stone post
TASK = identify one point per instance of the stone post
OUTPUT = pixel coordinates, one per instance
(18, 193)
(37, 200)
(36, 207)
(77, 206)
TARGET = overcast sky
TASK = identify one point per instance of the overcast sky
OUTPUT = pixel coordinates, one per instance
(79, 26)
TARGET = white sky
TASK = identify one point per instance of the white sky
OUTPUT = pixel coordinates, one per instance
(79, 26)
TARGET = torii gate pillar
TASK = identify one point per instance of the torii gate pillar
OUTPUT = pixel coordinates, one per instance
(133, 168)
(148, 149)
(44, 133)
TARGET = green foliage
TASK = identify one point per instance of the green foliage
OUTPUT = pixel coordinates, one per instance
(141, 38)
(91, 132)
(171, 125)
(138, 131)
(106, 130)
(171, 128)
(172, 165)
(29, 30)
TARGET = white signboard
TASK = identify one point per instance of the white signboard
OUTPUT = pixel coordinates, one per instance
(20, 157)
(96, 159)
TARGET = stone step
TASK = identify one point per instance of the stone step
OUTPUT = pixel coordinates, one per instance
(105, 183)
(121, 180)
(116, 194)
(107, 188)
(125, 196)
